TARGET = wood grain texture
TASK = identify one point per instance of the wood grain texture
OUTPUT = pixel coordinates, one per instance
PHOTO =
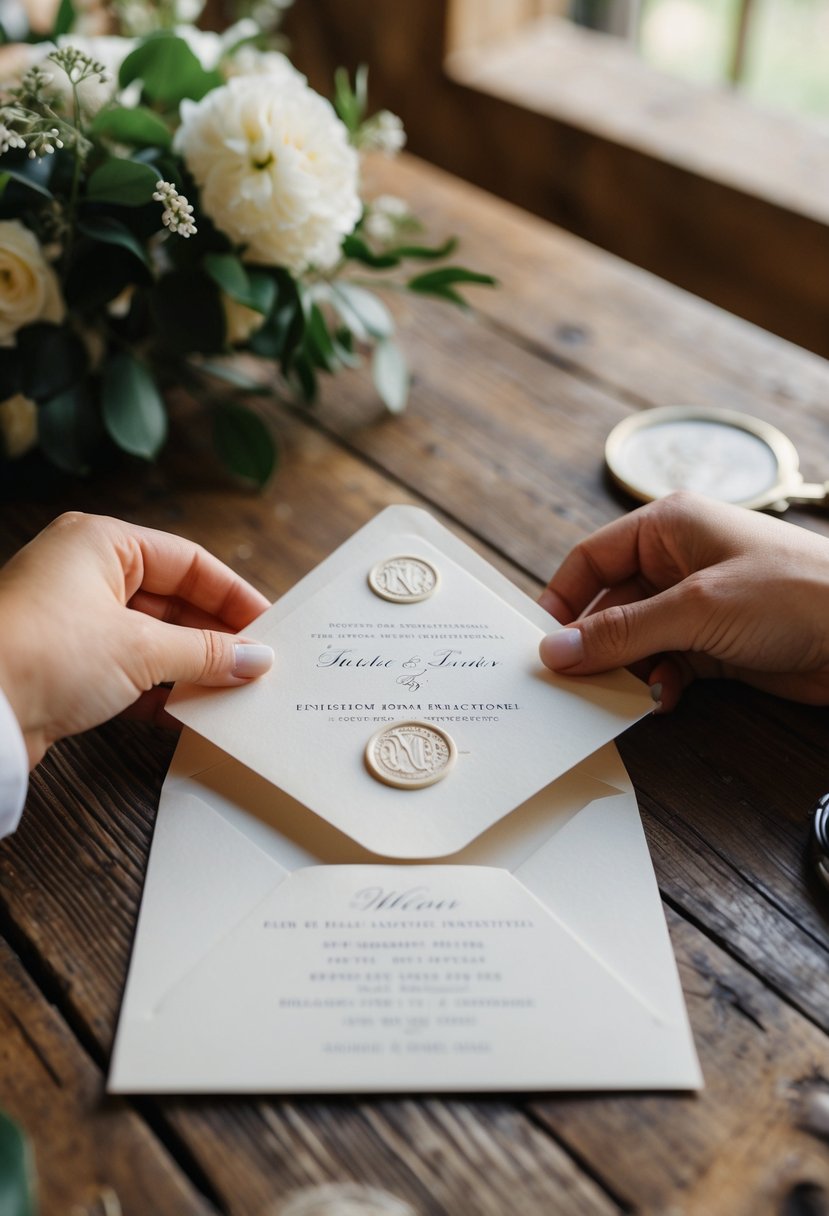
(87, 1147)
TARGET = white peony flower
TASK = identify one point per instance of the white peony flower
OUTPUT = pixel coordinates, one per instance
(275, 169)
(29, 288)
(209, 47)
(18, 425)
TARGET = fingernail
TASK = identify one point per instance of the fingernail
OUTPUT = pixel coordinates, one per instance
(656, 693)
(562, 649)
(250, 659)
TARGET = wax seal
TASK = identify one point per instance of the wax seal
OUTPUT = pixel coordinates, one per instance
(410, 755)
(403, 579)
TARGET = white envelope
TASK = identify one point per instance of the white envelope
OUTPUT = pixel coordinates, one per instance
(305, 928)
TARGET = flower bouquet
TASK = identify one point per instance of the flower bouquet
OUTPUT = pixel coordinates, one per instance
(168, 202)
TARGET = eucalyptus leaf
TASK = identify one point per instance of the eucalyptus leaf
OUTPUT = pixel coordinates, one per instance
(243, 443)
(128, 182)
(168, 70)
(109, 231)
(391, 376)
(138, 126)
(17, 1175)
(133, 411)
(364, 314)
(441, 283)
(69, 433)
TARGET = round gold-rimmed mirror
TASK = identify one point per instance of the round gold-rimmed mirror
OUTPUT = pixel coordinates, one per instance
(719, 453)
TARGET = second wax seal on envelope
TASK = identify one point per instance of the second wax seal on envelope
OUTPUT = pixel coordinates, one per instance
(403, 579)
(410, 755)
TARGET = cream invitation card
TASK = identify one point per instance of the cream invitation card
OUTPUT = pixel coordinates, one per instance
(407, 859)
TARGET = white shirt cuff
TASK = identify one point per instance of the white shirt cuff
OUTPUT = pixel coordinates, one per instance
(14, 768)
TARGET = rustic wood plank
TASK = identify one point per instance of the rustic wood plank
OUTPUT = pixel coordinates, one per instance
(87, 1146)
(738, 1149)
(602, 317)
(730, 850)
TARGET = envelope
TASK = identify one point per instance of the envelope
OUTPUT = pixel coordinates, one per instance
(309, 928)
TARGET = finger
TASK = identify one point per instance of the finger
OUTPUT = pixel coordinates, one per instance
(622, 635)
(607, 557)
(173, 566)
(202, 656)
(175, 611)
(150, 708)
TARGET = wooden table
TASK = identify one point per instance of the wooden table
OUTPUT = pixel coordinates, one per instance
(503, 441)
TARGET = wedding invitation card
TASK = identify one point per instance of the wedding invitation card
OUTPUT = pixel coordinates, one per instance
(408, 858)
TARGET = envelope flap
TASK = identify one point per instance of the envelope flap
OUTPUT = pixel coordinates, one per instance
(463, 660)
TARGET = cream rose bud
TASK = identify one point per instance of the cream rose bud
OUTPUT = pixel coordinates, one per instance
(29, 288)
(18, 425)
(275, 169)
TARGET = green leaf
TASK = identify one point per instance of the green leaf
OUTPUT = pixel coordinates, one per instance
(137, 126)
(426, 253)
(53, 359)
(133, 411)
(355, 247)
(319, 346)
(110, 231)
(243, 443)
(304, 377)
(27, 179)
(168, 70)
(440, 283)
(17, 1177)
(64, 19)
(391, 376)
(128, 182)
(229, 374)
(69, 432)
(365, 315)
(254, 290)
(350, 104)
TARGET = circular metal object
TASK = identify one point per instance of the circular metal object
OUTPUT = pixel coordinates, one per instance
(819, 840)
(720, 453)
(404, 579)
(410, 755)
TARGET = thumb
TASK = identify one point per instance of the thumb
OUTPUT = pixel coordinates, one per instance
(620, 635)
(205, 656)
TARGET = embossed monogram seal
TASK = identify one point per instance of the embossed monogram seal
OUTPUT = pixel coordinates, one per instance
(403, 579)
(410, 755)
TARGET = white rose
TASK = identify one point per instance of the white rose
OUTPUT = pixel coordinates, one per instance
(29, 288)
(275, 169)
(18, 425)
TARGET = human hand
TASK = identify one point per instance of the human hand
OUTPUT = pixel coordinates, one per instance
(696, 588)
(96, 613)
